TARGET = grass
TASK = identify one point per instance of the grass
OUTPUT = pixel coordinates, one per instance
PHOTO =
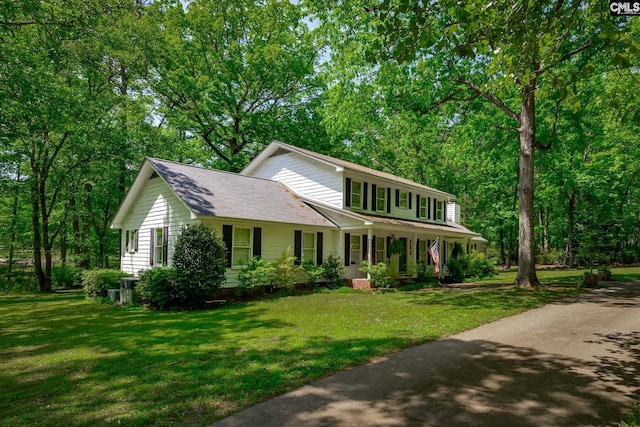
(66, 360)
(564, 275)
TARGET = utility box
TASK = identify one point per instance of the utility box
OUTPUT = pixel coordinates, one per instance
(113, 294)
(127, 285)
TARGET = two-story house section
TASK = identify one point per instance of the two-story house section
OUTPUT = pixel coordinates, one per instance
(380, 217)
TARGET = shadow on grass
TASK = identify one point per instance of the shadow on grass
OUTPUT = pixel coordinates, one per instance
(66, 361)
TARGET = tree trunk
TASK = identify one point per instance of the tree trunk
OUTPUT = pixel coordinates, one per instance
(12, 241)
(526, 249)
(571, 223)
(37, 238)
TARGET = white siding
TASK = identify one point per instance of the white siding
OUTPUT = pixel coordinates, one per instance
(410, 212)
(305, 176)
(275, 239)
(157, 206)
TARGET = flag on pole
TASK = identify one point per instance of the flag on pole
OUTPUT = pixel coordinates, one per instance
(435, 256)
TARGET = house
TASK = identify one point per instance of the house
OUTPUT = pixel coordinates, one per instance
(289, 197)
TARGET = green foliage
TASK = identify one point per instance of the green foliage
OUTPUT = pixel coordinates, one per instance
(458, 268)
(66, 276)
(157, 287)
(378, 272)
(632, 419)
(550, 257)
(425, 273)
(285, 271)
(333, 271)
(256, 273)
(96, 282)
(481, 266)
(200, 262)
(314, 272)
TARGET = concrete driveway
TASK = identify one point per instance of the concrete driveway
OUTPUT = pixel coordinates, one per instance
(575, 362)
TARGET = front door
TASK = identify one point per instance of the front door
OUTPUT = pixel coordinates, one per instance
(402, 264)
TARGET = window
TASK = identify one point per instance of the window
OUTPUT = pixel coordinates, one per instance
(241, 253)
(158, 252)
(403, 200)
(356, 194)
(380, 250)
(309, 247)
(381, 199)
(422, 251)
(131, 241)
(423, 207)
(440, 210)
(355, 249)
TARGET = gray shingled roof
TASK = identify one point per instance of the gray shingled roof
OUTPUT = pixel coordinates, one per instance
(210, 192)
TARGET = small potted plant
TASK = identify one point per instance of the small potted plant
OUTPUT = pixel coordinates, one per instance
(589, 279)
(604, 273)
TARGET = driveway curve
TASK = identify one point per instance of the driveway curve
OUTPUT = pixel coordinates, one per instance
(575, 362)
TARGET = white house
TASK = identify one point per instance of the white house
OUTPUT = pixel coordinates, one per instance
(288, 196)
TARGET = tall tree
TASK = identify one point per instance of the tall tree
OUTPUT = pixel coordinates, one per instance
(507, 54)
(229, 70)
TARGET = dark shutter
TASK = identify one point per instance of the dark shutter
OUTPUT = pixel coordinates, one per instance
(365, 196)
(297, 247)
(347, 193)
(126, 241)
(435, 209)
(373, 250)
(257, 241)
(397, 198)
(417, 206)
(444, 207)
(165, 245)
(388, 246)
(374, 197)
(428, 254)
(152, 247)
(428, 207)
(347, 249)
(410, 200)
(388, 200)
(227, 238)
(365, 247)
(319, 247)
(417, 250)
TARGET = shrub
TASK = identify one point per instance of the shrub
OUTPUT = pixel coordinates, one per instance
(550, 257)
(157, 286)
(285, 271)
(257, 272)
(96, 282)
(199, 259)
(313, 272)
(425, 273)
(481, 266)
(458, 268)
(333, 271)
(66, 276)
(378, 273)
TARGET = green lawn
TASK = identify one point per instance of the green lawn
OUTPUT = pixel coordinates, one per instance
(564, 275)
(68, 361)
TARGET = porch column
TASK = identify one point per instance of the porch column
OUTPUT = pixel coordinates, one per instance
(440, 246)
(369, 244)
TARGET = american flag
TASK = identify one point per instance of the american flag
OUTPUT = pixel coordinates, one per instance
(435, 255)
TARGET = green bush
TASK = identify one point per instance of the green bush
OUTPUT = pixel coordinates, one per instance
(377, 272)
(333, 271)
(285, 271)
(458, 268)
(425, 273)
(313, 272)
(200, 263)
(157, 287)
(66, 276)
(256, 273)
(481, 266)
(96, 282)
(632, 419)
(550, 257)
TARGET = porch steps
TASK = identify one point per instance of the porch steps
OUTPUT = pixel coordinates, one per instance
(364, 284)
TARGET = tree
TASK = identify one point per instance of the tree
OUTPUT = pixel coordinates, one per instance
(229, 71)
(507, 54)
